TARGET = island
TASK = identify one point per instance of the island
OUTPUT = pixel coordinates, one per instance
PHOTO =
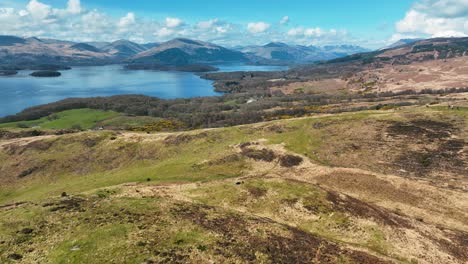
(46, 74)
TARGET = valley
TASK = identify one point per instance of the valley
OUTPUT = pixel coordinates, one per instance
(359, 158)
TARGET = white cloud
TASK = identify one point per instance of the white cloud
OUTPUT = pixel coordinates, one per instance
(308, 32)
(172, 22)
(23, 13)
(74, 6)
(434, 18)
(312, 32)
(208, 24)
(38, 10)
(258, 27)
(284, 20)
(214, 26)
(76, 23)
(164, 32)
(296, 31)
(443, 8)
(127, 20)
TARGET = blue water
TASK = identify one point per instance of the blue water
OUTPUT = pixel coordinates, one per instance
(23, 91)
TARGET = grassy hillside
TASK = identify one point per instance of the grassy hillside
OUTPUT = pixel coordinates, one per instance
(365, 187)
(83, 118)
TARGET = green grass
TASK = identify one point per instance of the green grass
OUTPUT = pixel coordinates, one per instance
(83, 118)
(129, 121)
(113, 162)
(161, 164)
(92, 244)
(92, 165)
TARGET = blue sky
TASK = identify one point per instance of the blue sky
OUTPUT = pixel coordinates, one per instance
(368, 23)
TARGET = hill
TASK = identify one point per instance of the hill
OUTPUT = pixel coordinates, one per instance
(402, 42)
(34, 51)
(422, 50)
(124, 48)
(360, 187)
(185, 51)
(30, 51)
(85, 47)
(281, 52)
(434, 64)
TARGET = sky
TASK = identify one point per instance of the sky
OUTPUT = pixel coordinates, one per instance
(367, 23)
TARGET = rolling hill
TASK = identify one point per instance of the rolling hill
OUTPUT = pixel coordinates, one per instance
(421, 50)
(368, 187)
(123, 48)
(32, 51)
(284, 53)
(185, 51)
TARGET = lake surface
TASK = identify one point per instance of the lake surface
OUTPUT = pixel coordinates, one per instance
(23, 91)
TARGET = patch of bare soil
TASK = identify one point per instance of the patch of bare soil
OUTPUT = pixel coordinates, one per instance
(256, 192)
(256, 152)
(259, 154)
(289, 160)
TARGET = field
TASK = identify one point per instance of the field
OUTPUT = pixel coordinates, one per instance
(82, 118)
(387, 186)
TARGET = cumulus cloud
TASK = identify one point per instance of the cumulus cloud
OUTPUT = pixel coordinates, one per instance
(76, 23)
(215, 26)
(208, 24)
(172, 22)
(443, 8)
(38, 10)
(434, 18)
(308, 32)
(313, 32)
(284, 20)
(164, 32)
(74, 6)
(23, 13)
(257, 27)
(127, 20)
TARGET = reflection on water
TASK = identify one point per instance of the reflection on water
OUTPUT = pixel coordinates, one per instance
(22, 91)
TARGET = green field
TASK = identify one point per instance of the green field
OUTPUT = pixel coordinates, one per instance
(78, 118)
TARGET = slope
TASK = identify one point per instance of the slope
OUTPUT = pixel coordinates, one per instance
(316, 189)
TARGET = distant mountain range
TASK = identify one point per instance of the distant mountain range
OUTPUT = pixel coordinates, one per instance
(284, 53)
(412, 51)
(30, 51)
(33, 51)
(402, 42)
(182, 51)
